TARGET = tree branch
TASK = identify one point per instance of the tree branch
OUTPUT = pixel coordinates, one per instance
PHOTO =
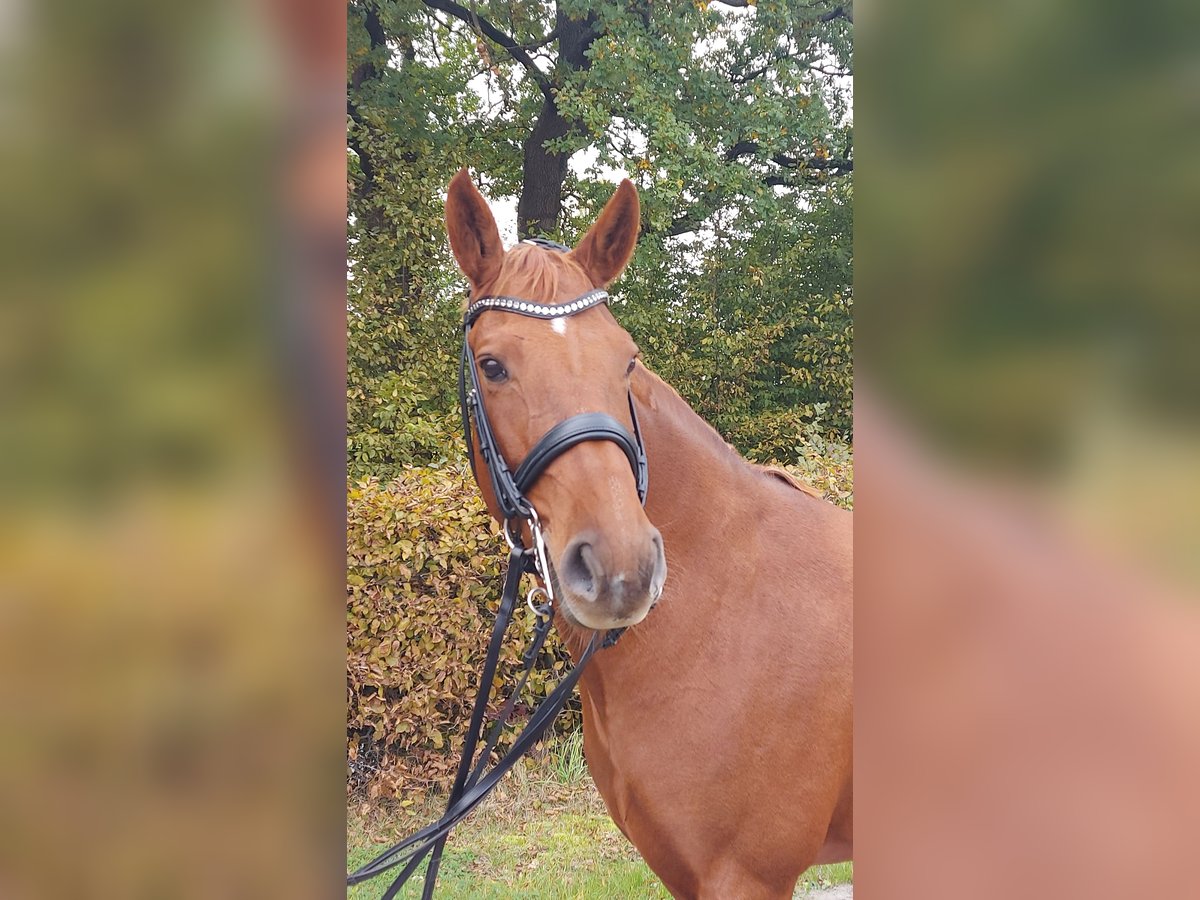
(364, 72)
(487, 29)
(816, 163)
(367, 69)
(552, 36)
(756, 73)
(807, 171)
(793, 179)
(751, 148)
(838, 12)
(740, 149)
(364, 161)
(688, 222)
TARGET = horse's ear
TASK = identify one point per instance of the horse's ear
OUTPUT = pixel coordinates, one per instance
(474, 237)
(607, 246)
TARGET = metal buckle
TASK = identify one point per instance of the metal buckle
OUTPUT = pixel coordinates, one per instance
(541, 558)
(539, 610)
(508, 538)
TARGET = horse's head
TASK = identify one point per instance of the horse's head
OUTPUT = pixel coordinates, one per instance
(534, 373)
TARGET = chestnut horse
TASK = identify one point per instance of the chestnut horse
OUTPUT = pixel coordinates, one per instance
(718, 730)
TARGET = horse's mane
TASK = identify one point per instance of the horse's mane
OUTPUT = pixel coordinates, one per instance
(532, 273)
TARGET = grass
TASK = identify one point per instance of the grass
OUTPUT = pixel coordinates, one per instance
(824, 877)
(543, 835)
(566, 757)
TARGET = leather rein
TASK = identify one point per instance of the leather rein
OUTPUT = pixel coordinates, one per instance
(474, 780)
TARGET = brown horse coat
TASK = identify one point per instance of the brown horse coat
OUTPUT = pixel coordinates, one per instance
(719, 729)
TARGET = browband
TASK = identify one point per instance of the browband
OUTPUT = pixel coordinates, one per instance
(537, 310)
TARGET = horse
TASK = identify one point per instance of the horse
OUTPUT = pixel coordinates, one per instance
(718, 729)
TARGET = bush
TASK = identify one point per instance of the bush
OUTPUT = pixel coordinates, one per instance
(425, 568)
(424, 575)
(801, 447)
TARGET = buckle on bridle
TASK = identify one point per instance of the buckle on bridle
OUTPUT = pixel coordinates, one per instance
(537, 555)
(540, 610)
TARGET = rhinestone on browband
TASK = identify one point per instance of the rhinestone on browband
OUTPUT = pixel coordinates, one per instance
(537, 310)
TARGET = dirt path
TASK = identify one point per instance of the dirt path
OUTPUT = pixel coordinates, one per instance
(838, 892)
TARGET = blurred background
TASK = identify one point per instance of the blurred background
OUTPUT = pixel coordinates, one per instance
(1031, 223)
(172, 448)
(1027, 449)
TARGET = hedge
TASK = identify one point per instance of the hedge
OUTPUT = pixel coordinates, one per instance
(424, 575)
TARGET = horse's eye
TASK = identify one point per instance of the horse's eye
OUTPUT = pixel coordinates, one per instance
(493, 370)
(632, 366)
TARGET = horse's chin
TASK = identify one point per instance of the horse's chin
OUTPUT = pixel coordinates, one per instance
(583, 614)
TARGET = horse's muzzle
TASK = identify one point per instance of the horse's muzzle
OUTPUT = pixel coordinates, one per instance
(611, 585)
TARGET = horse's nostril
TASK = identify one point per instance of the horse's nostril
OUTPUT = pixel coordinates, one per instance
(580, 569)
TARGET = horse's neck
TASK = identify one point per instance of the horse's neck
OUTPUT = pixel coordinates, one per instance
(698, 483)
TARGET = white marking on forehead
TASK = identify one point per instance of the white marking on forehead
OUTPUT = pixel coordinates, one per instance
(559, 324)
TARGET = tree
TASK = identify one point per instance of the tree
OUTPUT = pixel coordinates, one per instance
(732, 120)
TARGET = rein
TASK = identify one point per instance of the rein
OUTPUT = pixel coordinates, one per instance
(474, 780)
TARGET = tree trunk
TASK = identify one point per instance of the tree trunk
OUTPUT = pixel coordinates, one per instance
(544, 173)
(540, 204)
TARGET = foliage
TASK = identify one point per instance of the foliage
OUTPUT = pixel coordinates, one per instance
(753, 336)
(827, 465)
(734, 124)
(424, 580)
(400, 415)
(403, 292)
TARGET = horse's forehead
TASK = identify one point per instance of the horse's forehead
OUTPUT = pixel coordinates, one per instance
(587, 335)
(549, 277)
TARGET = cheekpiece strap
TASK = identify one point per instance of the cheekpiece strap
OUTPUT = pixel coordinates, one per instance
(536, 310)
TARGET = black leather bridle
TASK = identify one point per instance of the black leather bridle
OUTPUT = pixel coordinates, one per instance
(510, 488)
(474, 780)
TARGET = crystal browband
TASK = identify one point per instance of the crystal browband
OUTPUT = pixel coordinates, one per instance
(537, 310)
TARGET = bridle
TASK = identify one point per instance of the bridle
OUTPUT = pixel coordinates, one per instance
(473, 781)
(511, 488)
